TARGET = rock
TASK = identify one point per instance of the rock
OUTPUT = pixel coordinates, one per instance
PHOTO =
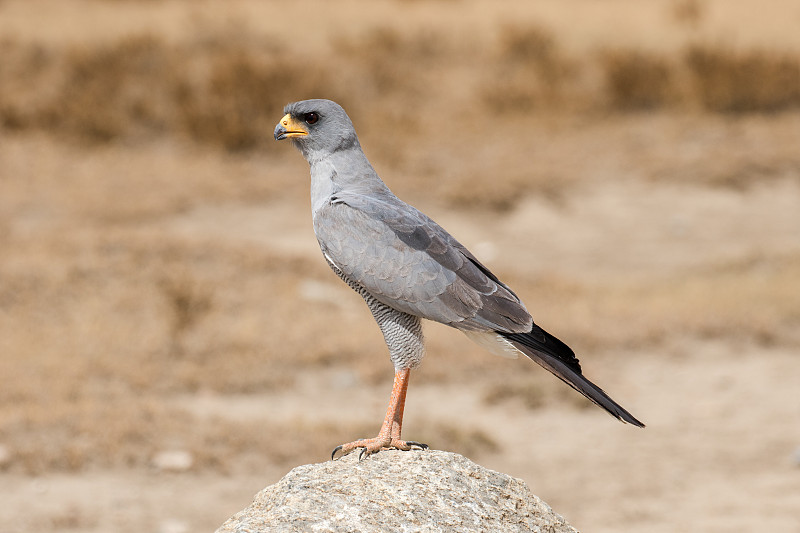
(398, 491)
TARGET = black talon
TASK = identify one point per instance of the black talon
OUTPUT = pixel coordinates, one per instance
(361, 454)
(337, 449)
(414, 443)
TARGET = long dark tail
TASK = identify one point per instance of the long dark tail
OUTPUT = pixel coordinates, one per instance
(559, 359)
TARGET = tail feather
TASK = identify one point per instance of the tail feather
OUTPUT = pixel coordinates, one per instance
(559, 359)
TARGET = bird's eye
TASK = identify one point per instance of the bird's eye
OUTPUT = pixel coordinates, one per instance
(311, 118)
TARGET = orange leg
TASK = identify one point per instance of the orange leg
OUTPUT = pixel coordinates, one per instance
(389, 435)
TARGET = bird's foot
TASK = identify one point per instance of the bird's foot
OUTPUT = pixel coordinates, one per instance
(370, 446)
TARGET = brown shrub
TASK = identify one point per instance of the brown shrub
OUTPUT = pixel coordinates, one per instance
(727, 81)
(237, 104)
(636, 80)
(94, 94)
(391, 63)
(226, 93)
(109, 91)
(21, 70)
(531, 71)
(382, 42)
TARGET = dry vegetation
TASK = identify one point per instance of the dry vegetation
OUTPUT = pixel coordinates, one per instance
(223, 90)
(218, 92)
(156, 244)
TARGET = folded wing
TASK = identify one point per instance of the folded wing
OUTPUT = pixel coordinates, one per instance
(407, 261)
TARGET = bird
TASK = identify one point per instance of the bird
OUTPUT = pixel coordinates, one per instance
(408, 268)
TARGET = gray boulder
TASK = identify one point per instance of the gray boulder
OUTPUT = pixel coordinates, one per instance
(395, 491)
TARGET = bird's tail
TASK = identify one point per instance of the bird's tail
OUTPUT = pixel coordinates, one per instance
(559, 359)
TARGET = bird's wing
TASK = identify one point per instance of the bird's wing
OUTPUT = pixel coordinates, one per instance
(408, 262)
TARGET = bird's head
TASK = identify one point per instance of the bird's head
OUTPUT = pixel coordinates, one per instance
(317, 127)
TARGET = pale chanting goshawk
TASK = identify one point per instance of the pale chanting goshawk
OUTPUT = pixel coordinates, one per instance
(407, 267)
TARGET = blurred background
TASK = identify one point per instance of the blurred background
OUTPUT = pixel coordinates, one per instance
(171, 340)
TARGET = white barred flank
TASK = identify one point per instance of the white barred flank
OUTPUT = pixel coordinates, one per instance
(401, 331)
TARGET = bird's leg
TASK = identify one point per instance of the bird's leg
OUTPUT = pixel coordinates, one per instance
(389, 435)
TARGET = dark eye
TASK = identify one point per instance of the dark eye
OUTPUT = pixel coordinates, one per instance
(311, 118)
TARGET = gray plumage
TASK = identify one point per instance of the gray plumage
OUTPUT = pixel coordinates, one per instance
(401, 331)
(407, 267)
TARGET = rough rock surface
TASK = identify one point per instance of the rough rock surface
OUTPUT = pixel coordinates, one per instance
(429, 491)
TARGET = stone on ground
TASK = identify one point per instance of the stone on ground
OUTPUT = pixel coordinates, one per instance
(397, 491)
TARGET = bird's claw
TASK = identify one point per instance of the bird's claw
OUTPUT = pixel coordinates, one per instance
(333, 453)
(371, 446)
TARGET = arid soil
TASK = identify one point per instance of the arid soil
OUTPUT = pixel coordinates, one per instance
(171, 340)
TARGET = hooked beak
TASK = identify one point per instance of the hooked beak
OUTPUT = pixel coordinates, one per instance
(288, 128)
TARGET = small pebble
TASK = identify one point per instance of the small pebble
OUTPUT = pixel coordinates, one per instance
(173, 460)
(173, 526)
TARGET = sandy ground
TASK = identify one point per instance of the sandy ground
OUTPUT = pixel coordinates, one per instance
(171, 340)
(699, 466)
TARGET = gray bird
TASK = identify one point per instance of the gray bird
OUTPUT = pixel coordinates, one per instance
(407, 267)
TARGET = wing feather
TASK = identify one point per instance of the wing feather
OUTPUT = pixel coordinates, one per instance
(407, 261)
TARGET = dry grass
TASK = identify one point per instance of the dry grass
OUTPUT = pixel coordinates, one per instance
(530, 71)
(236, 104)
(757, 81)
(714, 79)
(224, 93)
(390, 61)
(225, 90)
(636, 81)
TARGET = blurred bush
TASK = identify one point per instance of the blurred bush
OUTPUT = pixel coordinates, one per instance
(227, 91)
(226, 94)
(236, 104)
(529, 71)
(636, 80)
(727, 81)
(110, 92)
